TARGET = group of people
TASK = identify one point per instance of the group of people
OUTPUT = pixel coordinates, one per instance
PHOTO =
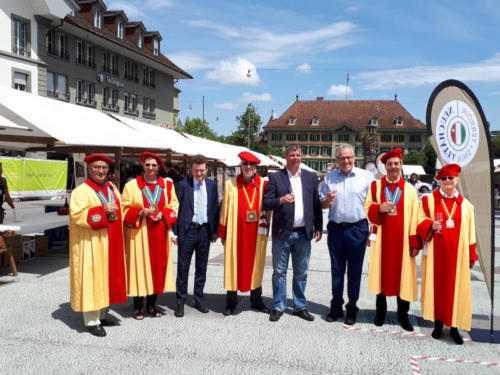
(121, 246)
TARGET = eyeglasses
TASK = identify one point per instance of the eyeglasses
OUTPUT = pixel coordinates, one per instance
(444, 178)
(100, 167)
(248, 163)
(149, 165)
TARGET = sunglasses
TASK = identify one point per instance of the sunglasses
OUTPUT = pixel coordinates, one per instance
(447, 178)
(150, 165)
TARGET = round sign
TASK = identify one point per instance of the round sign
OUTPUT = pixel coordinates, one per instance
(379, 164)
(457, 133)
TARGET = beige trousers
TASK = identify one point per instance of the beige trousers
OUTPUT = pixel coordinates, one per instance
(93, 318)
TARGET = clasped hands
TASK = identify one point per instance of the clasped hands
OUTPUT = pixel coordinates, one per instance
(386, 207)
(150, 212)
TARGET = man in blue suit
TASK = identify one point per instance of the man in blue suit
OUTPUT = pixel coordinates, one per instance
(197, 224)
(292, 195)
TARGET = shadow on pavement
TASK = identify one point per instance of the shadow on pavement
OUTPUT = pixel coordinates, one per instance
(72, 319)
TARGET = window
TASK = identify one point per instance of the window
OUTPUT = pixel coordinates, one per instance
(148, 108)
(133, 101)
(343, 137)
(131, 70)
(61, 43)
(97, 17)
(374, 121)
(105, 96)
(144, 76)
(90, 56)
(21, 36)
(414, 138)
(313, 150)
(21, 81)
(291, 121)
(114, 98)
(358, 137)
(326, 137)
(315, 121)
(156, 46)
(57, 86)
(151, 78)
(386, 138)
(303, 150)
(399, 138)
(114, 65)
(120, 29)
(303, 137)
(49, 42)
(125, 102)
(385, 149)
(79, 91)
(291, 137)
(79, 52)
(90, 92)
(326, 151)
(276, 136)
(139, 39)
(398, 121)
(359, 151)
(314, 137)
(152, 105)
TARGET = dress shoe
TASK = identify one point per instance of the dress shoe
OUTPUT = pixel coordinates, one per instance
(350, 318)
(333, 315)
(179, 311)
(275, 315)
(201, 307)
(404, 322)
(107, 322)
(96, 331)
(438, 329)
(456, 336)
(228, 311)
(260, 307)
(304, 314)
(379, 319)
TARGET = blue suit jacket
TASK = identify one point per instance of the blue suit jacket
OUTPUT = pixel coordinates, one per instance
(185, 194)
(283, 214)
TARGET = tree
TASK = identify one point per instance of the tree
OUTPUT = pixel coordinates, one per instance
(415, 157)
(430, 156)
(196, 127)
(249, 124)
(495, 146)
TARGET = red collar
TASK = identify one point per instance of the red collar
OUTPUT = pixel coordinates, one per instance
(255, 182)
(400, 183)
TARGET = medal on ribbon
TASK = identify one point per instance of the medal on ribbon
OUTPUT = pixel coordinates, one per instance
(251, 214)
(393, 198)
(450, 223)
(111, 199)
(153, 198)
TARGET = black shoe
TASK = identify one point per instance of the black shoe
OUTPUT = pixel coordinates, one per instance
(260, 307)
(404, 322)
(96, 331)
(350, 318)
(200, 306)
(379, 319)
(179, 311)
(304, 314)
(456, 336)
(438, 329)
(228, 311)
(107, 322)
(275, 315)
(333, 315)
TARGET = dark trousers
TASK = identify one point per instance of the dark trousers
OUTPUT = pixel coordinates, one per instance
(255, 297)
(381, 304)
(347, 245)
(198, 241)
(150, 302)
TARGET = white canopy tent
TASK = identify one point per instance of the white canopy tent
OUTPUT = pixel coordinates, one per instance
(408, 170)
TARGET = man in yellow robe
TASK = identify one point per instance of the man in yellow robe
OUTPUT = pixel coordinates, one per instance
(97, 260)
(243, 229)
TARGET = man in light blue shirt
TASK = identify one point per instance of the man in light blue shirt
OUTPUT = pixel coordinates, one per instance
(344, 192)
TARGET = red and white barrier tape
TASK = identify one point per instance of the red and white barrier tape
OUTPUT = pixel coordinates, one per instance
(414, 362)
(402, 333)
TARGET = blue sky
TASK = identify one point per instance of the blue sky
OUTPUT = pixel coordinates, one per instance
(306, 48)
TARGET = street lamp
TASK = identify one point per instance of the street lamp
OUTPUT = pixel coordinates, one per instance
(249, 74)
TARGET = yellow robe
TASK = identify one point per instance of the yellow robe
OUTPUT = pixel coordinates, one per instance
(139, 278)
(408, 290)
(462, 307)
(88, 253)
(228, 219)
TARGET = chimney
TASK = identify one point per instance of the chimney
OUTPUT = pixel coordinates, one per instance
(319, 98)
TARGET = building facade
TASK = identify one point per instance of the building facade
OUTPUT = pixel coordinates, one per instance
(91, 56)
(319, 126)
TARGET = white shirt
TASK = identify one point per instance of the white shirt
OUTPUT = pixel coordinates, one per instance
(454, 195)
(200, 201)
(296, 183)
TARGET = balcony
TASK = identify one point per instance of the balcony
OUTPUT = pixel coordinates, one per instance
(150, 115)
(110, 107)
(21, 51)
(87, 63)
(86, 102)
(61, 54)
(58, 95)
(131, 112)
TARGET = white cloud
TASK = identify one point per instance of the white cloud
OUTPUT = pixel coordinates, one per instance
(304, 68)
(339, 91)
(234, 72)
(227, 106)
(487, 70)
(248, 97)
(190, 60)
(130, 9)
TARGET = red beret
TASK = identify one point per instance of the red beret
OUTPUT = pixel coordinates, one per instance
(96, 157)
(248, 156)
(396, 153)
(449, 170)
(147, 154)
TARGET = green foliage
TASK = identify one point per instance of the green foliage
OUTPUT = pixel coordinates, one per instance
(430, 158)
(196, 127)
(266, 150)
(414, 157)
(495, 146)
(249, 119)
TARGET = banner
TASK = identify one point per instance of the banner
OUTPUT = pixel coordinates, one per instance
(30, 178)
(459, 134)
